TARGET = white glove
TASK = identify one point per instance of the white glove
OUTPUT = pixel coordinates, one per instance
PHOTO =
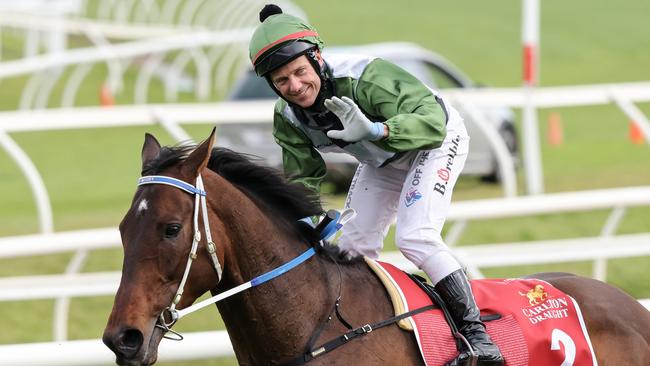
(356, 126)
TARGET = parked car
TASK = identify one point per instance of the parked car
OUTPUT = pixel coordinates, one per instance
(432, 69)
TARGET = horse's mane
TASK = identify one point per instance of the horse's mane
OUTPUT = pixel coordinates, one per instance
(266, 186)
(289, 200)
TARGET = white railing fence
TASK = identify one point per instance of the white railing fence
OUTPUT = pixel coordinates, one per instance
(210, 35)
(171, 115)
(92, 352)
(597, 249)
(204, 49)
(231, 112)
(72, 284)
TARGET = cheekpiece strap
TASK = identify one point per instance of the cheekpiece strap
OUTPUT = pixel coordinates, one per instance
(161, 179)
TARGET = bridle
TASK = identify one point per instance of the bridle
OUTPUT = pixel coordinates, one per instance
(199, 193)
(199, 205)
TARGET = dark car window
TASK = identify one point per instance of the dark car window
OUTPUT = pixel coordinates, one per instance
(252, 87)
(429, 73)
(442, 78)
(419, 70)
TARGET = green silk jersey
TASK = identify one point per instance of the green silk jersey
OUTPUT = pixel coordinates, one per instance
(385, 93)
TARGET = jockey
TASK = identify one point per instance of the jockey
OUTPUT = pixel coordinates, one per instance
(410, 145)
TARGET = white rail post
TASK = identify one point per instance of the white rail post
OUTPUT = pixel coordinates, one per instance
(504, 159)
(635, 115)
(62, 303)
(33, 178)
(599, 270)
(115, 69)
(172, 127)
(532, 155)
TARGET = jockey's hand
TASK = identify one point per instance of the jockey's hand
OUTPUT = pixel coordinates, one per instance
(356, 126)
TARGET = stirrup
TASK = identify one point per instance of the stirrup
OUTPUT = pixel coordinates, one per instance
(473, 358)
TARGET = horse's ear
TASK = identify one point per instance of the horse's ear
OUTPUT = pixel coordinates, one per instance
(199, 158)
(150, 149)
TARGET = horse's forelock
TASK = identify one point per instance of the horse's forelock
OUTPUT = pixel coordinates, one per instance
(169, 156)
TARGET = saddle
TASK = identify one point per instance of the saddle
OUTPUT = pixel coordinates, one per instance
(397, 298)
(528, 319)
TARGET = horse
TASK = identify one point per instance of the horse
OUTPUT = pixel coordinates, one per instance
(250, 224)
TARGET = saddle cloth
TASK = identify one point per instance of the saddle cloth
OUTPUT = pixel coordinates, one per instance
(538, 326)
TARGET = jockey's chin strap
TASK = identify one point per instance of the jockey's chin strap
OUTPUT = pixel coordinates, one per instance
(199, 205)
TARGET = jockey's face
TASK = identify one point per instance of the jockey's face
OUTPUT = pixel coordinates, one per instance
(297, 81)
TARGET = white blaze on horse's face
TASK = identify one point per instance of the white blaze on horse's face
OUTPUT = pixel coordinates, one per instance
(143, 206)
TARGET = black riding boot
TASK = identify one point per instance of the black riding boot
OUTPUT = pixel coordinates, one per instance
(457, 295)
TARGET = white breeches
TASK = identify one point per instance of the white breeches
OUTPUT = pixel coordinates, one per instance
(417, 195)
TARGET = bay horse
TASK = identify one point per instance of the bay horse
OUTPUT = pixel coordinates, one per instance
(248, 227)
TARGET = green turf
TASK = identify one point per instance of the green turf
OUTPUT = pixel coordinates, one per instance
(90, 174)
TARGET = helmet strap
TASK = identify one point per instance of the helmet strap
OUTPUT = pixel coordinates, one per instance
(326, 82)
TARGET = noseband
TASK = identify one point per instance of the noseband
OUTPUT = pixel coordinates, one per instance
(199, 201)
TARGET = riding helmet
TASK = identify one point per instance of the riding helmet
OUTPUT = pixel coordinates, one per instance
(280, 39)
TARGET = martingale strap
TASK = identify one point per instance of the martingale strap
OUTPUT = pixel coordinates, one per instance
(345, 338)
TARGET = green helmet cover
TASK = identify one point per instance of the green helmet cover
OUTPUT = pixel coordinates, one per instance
(278, 30)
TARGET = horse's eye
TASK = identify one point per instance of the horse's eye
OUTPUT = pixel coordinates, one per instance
(172, 230)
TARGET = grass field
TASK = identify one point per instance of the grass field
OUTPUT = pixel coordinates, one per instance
(91, 174)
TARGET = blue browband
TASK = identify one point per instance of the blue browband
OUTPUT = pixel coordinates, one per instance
(161, 179)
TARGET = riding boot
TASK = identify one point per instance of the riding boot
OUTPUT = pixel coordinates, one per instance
(456, 292)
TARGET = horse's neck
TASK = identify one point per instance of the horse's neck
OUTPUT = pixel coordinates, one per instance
(274, 323)
(275, 319)
(256, 243)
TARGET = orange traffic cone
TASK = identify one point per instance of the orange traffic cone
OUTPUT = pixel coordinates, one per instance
(106, 98)
(636, 135)
(555, 134)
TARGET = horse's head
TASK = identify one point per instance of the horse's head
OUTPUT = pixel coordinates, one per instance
(169, 257)
(158, 235)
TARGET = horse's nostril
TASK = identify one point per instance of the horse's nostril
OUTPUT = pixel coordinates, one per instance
(129, 342)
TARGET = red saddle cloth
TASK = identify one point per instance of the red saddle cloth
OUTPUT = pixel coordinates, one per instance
(539, 325)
